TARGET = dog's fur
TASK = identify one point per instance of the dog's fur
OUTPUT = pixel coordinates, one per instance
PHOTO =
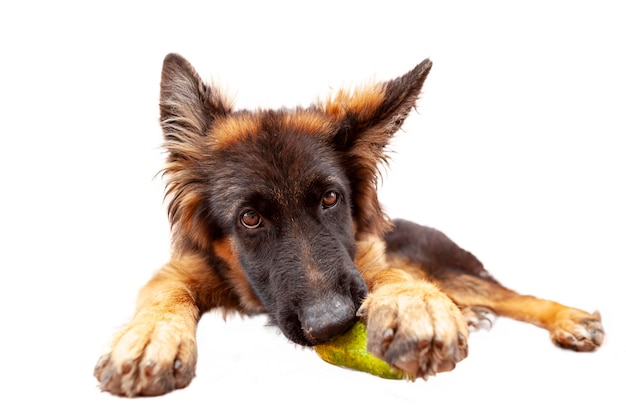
(276, 212)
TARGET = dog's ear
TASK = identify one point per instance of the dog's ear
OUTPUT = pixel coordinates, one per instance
(376, 111)
(367, 118)
(188, 105)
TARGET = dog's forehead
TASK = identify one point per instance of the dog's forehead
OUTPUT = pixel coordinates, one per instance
(244, 125)
(280, 155)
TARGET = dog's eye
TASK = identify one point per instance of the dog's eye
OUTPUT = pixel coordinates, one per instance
(250, 219)
(329, 199)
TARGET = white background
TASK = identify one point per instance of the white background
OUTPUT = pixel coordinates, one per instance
(517, 153)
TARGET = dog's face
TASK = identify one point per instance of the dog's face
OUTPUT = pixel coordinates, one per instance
(289, 190)
(282, 195)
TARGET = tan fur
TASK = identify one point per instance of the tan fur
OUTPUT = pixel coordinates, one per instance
(362, 102)
(232, 129)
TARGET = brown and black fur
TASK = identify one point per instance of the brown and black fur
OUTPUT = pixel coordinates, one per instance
(276, 212)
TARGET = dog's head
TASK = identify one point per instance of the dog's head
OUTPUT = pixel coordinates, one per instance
(278, 198)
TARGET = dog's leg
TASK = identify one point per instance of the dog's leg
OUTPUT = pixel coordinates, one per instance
(156, 352)
(569, 327)
(426, 252)
(411, 324)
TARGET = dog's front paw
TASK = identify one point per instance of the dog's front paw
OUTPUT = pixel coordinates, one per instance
(577, 330)
(148, 358)
(415, 328)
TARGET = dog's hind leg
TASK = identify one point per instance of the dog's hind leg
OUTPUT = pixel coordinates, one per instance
(427, 253)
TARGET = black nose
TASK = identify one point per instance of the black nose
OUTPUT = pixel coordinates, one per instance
(328, 318)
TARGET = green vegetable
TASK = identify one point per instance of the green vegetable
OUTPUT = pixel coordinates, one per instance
(350, 351)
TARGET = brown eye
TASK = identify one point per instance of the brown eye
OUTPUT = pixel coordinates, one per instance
(250, 219)
(329, 199)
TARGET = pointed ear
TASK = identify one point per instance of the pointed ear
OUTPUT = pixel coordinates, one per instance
(377, 111)
(188, 105)
(367, 120)
(401, 95)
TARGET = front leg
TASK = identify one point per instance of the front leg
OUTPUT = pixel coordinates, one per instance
(413, 326)
(156, 352)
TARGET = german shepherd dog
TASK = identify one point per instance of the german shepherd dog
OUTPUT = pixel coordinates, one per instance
(276, 212)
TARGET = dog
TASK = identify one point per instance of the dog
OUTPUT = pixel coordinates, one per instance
(276, 212)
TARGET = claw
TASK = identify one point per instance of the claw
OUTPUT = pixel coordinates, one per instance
(479, 318)
(127, 367)
(104, 359)
(148, 369)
